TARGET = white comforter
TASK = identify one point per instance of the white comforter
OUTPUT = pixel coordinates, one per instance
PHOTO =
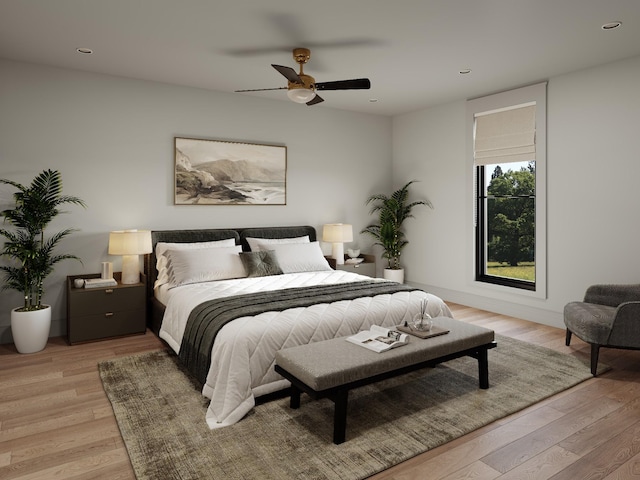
(243, 355)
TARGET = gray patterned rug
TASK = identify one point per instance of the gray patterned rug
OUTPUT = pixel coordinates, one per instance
(160, 413)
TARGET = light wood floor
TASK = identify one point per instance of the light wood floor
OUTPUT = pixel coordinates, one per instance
(56, 422)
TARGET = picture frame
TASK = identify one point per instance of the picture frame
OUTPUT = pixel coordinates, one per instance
(216, 172)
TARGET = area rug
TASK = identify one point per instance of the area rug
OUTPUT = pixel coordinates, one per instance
(161, 415)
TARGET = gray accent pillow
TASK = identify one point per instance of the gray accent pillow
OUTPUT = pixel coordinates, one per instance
(261, 263)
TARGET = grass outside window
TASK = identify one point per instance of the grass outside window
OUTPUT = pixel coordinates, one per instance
(523, 271)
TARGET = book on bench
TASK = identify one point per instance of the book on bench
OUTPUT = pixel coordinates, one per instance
(379, 339)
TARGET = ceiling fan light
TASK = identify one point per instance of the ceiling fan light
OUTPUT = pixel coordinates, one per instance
(301, 95)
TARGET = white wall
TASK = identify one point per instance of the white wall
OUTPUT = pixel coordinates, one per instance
(593, 195)
(112, 140)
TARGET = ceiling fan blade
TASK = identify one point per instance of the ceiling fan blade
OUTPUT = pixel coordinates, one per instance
(316, 99)
(355, 84)
(260, 89)
(289, 73)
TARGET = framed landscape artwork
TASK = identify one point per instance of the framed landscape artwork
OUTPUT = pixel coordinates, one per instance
(212, 172)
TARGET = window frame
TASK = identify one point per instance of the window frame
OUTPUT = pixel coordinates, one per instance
(504, 100)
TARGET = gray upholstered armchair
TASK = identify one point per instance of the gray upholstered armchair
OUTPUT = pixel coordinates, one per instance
(609, 316)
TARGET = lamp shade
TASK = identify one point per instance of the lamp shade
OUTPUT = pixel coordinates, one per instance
(130, 242)
(337, 233)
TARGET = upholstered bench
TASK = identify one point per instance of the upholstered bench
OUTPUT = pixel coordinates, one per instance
(331, 368)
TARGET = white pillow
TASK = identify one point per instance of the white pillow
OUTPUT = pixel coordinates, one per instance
(204, 265)
(300, 257)
(258, 244)
(162, 247)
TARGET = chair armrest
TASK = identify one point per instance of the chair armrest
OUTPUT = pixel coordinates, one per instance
(612, 295)
(626, 326)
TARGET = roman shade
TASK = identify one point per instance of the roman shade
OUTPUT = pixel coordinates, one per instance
(505, 136)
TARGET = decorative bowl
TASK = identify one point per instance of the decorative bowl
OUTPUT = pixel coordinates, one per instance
(353, 253)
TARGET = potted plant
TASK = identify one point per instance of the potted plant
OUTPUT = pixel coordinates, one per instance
(31, 256)
(392, 212)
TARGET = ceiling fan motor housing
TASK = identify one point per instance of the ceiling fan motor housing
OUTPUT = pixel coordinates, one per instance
(302, 56)
(308, 82)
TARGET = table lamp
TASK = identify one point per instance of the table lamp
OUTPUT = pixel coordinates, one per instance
(130, 244)
(337, 234)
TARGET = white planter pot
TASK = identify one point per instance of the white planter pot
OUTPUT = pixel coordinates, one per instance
(30, 330)
(395, 275)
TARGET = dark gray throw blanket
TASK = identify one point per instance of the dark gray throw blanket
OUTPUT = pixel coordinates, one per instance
(206, 320)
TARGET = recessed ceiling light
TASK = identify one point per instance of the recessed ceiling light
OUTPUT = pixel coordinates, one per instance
(84, 51)
(464, 71)
(611, 25)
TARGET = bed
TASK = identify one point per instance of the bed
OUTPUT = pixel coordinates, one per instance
(226, 300)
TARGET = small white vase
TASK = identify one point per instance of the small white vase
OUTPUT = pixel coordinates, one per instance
(30, 330)
(394, 274)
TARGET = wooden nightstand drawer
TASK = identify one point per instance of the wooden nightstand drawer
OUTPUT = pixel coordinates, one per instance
(103, 300)
(363, 268)
(112, 324)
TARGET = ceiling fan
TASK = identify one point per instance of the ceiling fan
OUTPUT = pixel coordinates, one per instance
(302, 88)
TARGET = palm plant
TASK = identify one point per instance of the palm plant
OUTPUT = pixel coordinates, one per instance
(392, 212)
(32, 257)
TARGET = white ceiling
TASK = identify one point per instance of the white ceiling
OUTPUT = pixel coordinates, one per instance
(412, 50)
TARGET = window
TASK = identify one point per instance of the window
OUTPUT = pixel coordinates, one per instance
(508, 164)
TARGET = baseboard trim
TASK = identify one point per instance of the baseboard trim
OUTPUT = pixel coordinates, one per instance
(525, 312)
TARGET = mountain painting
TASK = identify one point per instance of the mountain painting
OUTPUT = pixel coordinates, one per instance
(212, 172)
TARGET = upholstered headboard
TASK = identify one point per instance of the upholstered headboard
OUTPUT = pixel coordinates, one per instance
(275, 232)
(155, 309)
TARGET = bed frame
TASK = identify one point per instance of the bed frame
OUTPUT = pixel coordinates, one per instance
(155, 309)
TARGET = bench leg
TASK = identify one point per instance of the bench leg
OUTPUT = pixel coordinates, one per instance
(294, 402)
(340, 416)
(483, 368)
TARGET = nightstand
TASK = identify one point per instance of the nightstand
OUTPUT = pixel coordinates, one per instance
(366, 267)
(105, 312)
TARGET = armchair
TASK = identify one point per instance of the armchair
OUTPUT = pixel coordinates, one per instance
(609, 317)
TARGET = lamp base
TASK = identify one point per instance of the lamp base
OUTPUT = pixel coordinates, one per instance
(130, 270)
(337, 252)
